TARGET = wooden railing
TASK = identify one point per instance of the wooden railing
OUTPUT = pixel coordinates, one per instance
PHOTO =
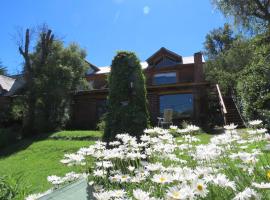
(221, 102)
(234, 98)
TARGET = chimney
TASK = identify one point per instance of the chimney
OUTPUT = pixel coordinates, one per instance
(198, 67)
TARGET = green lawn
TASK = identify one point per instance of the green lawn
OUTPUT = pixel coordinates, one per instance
(77, 135)
(36, 159)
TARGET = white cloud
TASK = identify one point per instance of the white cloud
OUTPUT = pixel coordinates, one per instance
(146, 10)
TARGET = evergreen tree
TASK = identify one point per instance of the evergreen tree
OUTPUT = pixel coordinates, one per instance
(127, 104)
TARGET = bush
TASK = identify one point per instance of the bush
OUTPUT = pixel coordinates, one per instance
(101, 124)
(11, 188)
(127, 109)
(254, 87)
(8, 136)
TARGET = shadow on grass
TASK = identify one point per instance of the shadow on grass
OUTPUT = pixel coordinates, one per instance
(21, 144)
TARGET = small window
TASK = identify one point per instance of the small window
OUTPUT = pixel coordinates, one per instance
(165, 62)
(164, 78)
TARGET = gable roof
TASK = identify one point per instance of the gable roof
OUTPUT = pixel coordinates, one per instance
(164, 52)
(94, 67)
(160, 52)
(6, 82)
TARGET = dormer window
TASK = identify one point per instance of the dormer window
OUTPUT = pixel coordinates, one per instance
(165, 61)
(164, 78)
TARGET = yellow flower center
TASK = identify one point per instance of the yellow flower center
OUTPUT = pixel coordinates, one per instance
(176, 194)
(162, 179)
(200, 187)
(268, 174)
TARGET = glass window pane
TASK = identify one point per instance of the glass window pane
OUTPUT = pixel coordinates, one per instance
(164, 78)
(182, 104)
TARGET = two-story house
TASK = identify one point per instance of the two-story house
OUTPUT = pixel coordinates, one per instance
(172, 81)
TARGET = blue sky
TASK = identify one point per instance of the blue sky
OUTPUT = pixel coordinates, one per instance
(104, 26)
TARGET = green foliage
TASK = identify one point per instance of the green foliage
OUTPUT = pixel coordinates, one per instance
(62, 74)
(253, 87)
(55, 72)
(34, 160)
(224, 69)
(18, 108)
(101, 124)
(127, 109)
(218, 41)
(3, 70)
(244, 69)
(11, 188)
(252, 14)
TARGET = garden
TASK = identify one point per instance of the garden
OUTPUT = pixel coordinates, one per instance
(126, 157)
(173, 164)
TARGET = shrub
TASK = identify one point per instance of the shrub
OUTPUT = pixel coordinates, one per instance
(8, 136)
(127, 109)
(11, 188)
(101, 124)
(254, 87)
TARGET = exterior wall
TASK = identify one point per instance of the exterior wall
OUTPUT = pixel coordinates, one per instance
(190, 80)
(100, 81)
(153, 107)
(184, 73)
(84, 110)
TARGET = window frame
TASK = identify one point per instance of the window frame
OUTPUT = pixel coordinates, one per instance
(181, 93)
(167, 72)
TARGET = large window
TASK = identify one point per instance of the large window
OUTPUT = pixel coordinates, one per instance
(164, 78)
(181, 104)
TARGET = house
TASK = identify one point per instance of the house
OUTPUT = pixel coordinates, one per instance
(172, 81)
(9, 85)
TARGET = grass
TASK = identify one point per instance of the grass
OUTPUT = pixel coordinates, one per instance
(77, 135)
(35, 159)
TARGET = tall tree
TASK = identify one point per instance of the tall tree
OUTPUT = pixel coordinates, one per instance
(51, 73)
(218, 40)
(227, 54)
(253, 85)
(46, 40)
(252, 14)
(127, 104)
